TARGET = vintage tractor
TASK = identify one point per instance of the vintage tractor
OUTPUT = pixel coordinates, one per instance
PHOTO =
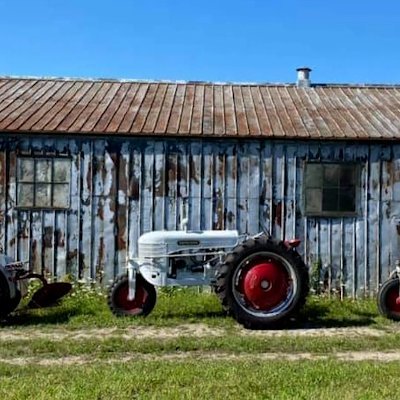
(14, 279)
(260, 281)
(389, 295)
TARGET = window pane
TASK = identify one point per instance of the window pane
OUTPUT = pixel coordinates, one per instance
(330, 188)
(313, 175)
(25, 195)
(330, 200)
(62, 170)
(347, 199)
(43, 195)
(61, 195)
(25, 169)
(331, 175)
(313, 200)
(43, 171)
(347, 176)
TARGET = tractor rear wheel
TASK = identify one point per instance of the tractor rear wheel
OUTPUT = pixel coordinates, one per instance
(389, 299)
(142, 304)
(262, 283)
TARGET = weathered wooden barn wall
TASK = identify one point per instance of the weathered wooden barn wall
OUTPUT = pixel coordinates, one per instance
(121, 188)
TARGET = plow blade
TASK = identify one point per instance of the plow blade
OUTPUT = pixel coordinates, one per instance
(49, 294)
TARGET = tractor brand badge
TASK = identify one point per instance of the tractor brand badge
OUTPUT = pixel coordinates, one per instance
(188, 242)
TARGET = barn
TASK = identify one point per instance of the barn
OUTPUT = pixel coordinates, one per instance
(86, 166)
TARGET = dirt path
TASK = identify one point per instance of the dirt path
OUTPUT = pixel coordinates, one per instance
(195, 356)
(193, 331)
(187, 330)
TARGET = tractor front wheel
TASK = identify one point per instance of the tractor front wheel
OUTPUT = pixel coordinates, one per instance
(262, 283)
(142, 304)
(389, 299)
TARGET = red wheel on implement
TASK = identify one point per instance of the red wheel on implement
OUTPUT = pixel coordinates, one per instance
(142, 304)
(389, 299)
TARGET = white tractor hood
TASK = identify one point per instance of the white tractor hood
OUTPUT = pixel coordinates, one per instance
(157, 243)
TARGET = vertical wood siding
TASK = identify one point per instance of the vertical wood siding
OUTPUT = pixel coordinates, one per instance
(121, 188)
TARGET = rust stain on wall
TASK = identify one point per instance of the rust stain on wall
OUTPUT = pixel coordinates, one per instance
(193, 171)
(122, 227)
(100, 261)
(134, 188)
(59, 238)
(48, 237)
(277, 213)
(34, 256)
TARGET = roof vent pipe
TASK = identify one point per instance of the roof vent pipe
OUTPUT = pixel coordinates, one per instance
(303, 77)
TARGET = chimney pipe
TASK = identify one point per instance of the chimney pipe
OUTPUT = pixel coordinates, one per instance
(303, 77)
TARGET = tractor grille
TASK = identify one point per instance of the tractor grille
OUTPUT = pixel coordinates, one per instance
(152, 250)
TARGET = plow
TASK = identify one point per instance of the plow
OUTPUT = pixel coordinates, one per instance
(14, 280)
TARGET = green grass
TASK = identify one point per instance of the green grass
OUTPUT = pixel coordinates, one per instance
(193, 379)
(87, 308)
(104, 377)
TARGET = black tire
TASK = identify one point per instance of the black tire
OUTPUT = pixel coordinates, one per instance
(262, 283)
(387, 296)
(7, 305)
(143, 303)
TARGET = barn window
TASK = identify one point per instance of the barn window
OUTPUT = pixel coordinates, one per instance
(43, 182)
(331, 189)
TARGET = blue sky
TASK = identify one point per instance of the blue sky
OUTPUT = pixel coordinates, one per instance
(237, 40)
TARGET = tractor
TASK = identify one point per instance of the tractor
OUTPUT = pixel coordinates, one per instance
(260, 281)
(14, 280)
(389, 295)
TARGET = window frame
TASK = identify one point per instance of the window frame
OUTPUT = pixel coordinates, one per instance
(330, 213)
(52, 159)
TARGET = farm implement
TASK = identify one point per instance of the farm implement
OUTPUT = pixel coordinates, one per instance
(14, 278)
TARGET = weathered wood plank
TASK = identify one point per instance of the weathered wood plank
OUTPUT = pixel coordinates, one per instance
(243, 187)
(146, 213)
(159, 185)
(254, 188)
(82, 192)
(122, 209)
(48, 232)
(183, 182)
(231, 186)
(219, 191)
(135, 198)
(207, 186)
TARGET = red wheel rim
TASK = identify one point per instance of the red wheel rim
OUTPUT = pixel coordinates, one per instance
(265, 285)
(392, 302)
(134, 306)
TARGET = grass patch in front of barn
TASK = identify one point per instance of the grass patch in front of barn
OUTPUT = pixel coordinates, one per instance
(87, 307)
(79, 350)
(86, 310)
(202, 379)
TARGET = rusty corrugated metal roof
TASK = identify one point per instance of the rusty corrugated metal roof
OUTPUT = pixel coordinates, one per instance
(73, 106)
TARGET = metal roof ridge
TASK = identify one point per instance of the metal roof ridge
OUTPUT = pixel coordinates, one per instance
(194, 82)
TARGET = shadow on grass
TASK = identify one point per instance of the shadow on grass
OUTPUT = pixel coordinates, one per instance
(320, 316)
(200, 315)
(52, 316)
(319, 312)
